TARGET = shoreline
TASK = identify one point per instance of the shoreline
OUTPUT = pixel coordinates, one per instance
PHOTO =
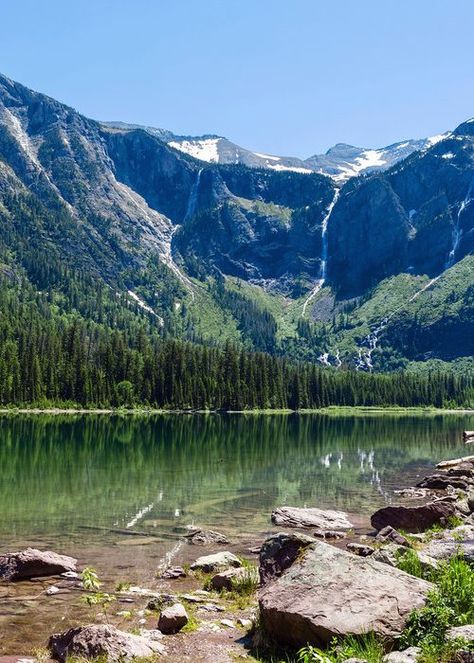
(333, 410)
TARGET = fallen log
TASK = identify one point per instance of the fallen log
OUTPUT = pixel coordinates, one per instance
(455, 461)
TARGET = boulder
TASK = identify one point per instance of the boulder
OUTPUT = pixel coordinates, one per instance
(462, 470)
(32, 563)
(461, 632)
(225, 579)
(390, 534)
(442, 481)
(389, 554)
(279, 552)
(221, 560)
(412, 518)
(173, 619)
(360, 549)
(329, 593)
(319, 519)
(203, 537)
(462, 507)
(409, 655)
(101, 640)
(392, 553)
(445, 548)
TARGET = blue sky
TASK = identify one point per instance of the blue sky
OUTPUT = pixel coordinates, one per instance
(290, 77)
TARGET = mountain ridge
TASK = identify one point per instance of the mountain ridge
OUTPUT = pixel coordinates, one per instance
(340, 162)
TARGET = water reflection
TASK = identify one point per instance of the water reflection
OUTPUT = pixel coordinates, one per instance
(61, 474)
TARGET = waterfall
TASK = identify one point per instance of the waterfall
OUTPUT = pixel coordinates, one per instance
(457, 230)
(193, 197)
(324, 253)
(371, 341)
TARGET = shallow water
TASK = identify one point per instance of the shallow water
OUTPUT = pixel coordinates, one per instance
(71, 483)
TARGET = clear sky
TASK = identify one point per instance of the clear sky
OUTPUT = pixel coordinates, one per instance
(290, 77)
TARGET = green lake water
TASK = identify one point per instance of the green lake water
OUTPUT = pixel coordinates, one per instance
(71, 483)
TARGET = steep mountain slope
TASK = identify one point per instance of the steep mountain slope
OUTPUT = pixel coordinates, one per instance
(417, 217)
(370, 273)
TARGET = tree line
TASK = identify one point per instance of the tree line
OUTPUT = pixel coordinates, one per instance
(53, 357)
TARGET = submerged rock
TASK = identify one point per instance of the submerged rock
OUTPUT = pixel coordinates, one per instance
(319, 519)
(279, 552)
(173, 619)
(101, 640)
(33, 563)
(412, 518)
(203, 537)
(220, 560)
(329, 593)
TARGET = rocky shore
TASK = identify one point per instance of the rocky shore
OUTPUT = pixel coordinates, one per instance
(320, 589)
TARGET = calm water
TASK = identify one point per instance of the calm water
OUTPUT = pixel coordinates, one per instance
(71, 482)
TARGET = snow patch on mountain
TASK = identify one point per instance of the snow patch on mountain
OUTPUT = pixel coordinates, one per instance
(432, 140)
(294, 169)
(204, 149)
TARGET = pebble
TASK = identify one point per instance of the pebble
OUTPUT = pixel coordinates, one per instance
(227, 622)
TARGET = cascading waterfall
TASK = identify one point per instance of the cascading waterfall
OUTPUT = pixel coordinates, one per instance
(193, 197)
(324, 254)
(457, 230)
(370, 342)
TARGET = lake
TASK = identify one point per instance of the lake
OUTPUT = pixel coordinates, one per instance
(77, 484)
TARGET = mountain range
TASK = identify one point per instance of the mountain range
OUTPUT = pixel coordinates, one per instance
(356, 258)
(340, 162)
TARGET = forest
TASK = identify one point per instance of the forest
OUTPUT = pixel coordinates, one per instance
(117, 358)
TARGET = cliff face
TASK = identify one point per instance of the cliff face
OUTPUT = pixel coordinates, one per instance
(416, 217)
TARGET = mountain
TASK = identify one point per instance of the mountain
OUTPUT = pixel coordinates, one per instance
(369, 268)
(340, 162)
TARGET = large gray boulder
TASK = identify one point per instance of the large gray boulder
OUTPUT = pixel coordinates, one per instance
(101, 640)
(319, 519)
(33, 563)
(329, 593)
(412, 518)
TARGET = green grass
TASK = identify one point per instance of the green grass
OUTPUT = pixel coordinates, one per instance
(450, 604)
(409, 562)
